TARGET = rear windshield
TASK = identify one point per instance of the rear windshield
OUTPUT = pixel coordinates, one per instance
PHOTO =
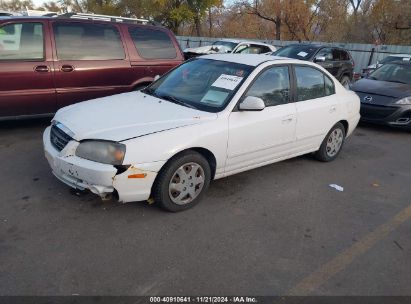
(302, 52)
(227, 44)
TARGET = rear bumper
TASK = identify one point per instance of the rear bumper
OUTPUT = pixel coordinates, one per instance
(397, 116)
(101, 179)
(352, 124)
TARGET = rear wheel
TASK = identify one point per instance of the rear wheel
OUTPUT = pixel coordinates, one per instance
(182, 182)
(332, 144)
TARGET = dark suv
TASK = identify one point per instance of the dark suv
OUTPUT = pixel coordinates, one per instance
(336, 60)
(50, 62)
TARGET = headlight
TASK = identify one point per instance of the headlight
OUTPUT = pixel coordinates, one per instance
(106, 152)
(404, 101)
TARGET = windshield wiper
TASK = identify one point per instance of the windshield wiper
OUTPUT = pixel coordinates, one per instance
(177, 101)
(148, 91)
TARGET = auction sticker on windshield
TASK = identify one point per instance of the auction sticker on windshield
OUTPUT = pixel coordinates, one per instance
(228, 82)
(215, 98)
(302, 54)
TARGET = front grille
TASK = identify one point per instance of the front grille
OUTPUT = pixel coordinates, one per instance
(375, 111)
(58, 138)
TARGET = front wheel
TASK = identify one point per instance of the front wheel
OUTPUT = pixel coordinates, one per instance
(182, 182)
(332, 144)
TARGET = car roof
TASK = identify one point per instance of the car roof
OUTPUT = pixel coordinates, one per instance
(249, 59)
(400, 55)
(401, 62)
(242, 41)
(306, 44)
(39, 18)
(316, 45)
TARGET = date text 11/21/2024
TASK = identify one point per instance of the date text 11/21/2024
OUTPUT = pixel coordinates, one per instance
(203, 299)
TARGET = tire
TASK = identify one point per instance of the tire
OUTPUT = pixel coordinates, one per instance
(345, 81)
(182, 181)
(332, 144)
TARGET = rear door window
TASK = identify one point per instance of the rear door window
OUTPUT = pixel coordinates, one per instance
(344, 55)
(312, 83)
(337, 56)
(152, 44)
(22, 41)
(82, 41)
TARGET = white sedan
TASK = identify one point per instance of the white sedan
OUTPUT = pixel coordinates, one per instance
(230, 46)
(209, 118)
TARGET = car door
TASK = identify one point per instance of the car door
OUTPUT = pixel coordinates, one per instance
(26, 79)
(260, 137)
(91, 61)
(316, 104)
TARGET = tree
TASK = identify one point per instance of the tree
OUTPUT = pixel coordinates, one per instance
(198, 9)
(300, 17)
(16, 5)
(270, 10)
(391, 21)
(51, 6)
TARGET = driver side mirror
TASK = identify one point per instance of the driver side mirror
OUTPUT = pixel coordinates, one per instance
(320, 59)
(251, 103)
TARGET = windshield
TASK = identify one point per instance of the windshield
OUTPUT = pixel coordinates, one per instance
(392, 72)
(203, 84)
(302, 52)
(227, 44)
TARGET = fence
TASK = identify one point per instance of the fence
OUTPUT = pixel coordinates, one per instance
(363, 54)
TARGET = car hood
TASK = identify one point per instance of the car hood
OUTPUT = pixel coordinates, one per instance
(124, 116)
(208, 49)
(376, 87)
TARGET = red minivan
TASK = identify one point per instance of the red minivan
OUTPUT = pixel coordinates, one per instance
(50, 62)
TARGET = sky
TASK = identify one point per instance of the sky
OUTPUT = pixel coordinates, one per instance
(38, 2)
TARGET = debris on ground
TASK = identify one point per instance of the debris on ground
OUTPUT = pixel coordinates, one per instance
(337, 187)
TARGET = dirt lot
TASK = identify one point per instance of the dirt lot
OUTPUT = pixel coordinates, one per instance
(276, 230)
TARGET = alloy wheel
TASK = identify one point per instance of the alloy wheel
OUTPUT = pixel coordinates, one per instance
(186, 183)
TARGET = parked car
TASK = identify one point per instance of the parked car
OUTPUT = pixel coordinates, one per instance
(50, 62)
(386, 95)
(390, 58)
(209, 118)
(230, 46)
(335, 60)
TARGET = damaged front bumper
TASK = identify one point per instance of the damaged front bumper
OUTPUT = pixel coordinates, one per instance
(134, 184)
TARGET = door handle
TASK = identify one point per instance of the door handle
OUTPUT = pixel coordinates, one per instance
(332, 109)
(287, 119)
(42, 69)
(67, 68)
